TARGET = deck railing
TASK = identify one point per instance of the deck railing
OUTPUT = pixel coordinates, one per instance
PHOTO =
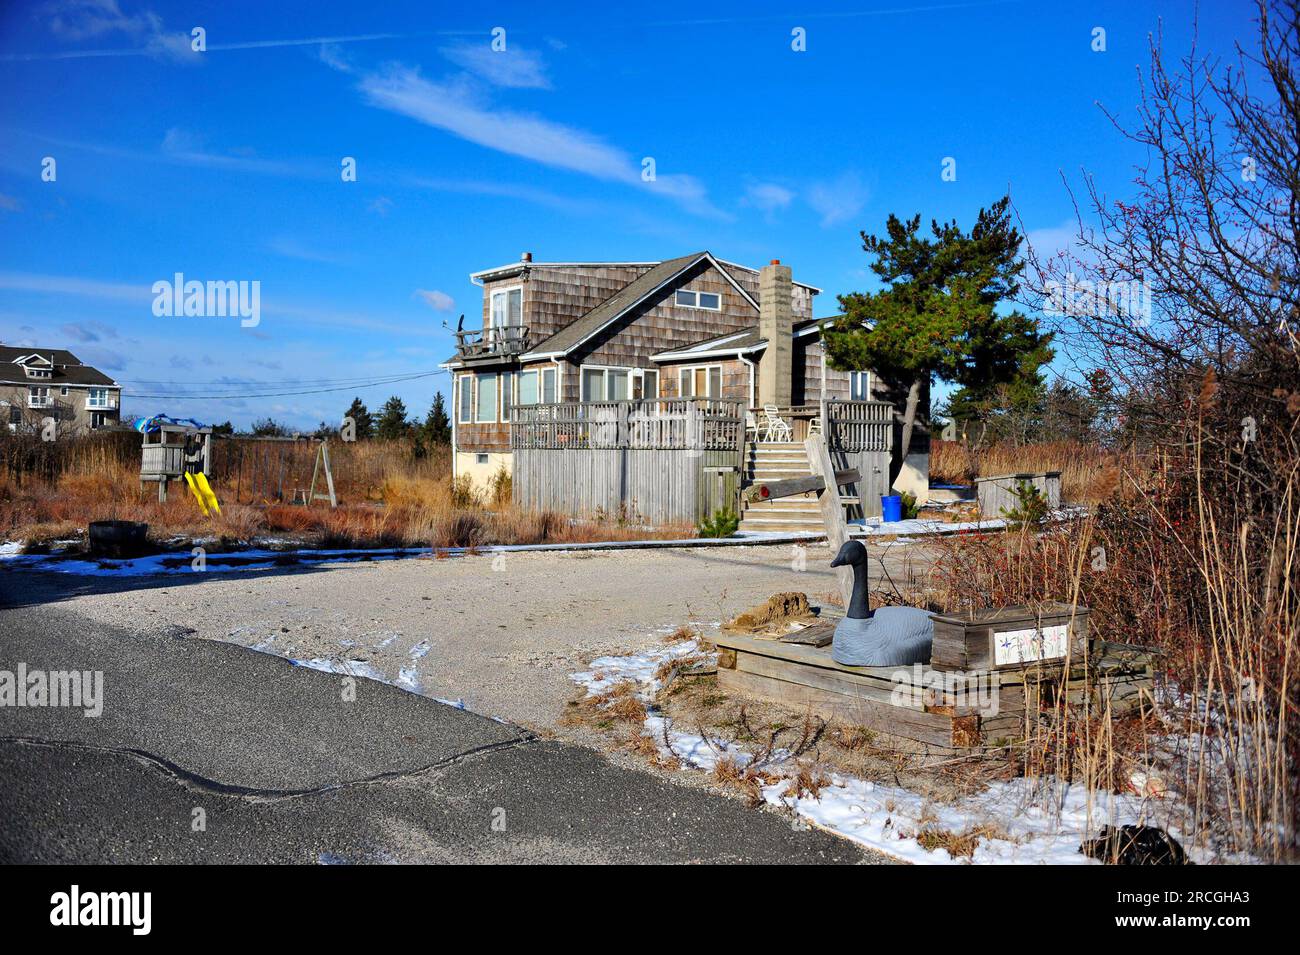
(699, 424)
(859, 425)
(494, 342)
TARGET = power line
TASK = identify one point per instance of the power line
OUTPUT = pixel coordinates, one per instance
(186, 396)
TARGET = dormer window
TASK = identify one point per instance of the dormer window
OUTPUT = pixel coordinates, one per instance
(707, 300)
(507, 308)
(36, 372)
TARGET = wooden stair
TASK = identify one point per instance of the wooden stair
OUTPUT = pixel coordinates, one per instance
(777, 461)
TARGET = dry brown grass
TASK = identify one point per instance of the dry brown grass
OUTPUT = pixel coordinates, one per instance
(388, 498)
(1088, 474)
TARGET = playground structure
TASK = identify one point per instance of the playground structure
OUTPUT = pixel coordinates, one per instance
(255, 469)
(174, 449)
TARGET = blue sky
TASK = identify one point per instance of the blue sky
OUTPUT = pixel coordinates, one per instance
(225, 164)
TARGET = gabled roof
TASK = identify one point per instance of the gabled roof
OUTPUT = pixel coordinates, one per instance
(744, 341)
(511, 269)
(68, 369)
(626, 299)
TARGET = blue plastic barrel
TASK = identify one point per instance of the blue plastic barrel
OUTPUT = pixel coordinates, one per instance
(891, 507)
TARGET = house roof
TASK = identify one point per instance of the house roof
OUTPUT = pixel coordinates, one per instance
(67, 370)
(511, 269)
(745, 340)
(624, 300)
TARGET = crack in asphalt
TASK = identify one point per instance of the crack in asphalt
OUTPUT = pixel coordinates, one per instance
(194, 781)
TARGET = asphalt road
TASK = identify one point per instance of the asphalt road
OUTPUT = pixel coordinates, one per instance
(208, 752)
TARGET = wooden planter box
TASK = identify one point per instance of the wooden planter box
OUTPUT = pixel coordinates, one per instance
(916, 706)
(1009, 638)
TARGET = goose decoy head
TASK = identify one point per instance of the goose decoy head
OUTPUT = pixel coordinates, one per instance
(851, 554)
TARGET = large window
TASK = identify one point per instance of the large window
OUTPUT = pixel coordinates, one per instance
(704, 381)
(537, 386)
(486, 407)
(608, 384)
(38, 397)
(97, 398)
(860, 385)
(508, 308)
(466, 385)
(710, 300)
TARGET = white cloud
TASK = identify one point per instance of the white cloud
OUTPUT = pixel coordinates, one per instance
(767, 196)
(436, 300)
(78, 20)
(839, 199)
(513, 67)
(459, 106)
(293, 249)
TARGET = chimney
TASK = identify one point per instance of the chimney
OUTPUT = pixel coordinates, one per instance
(526, 257)
(776, 324)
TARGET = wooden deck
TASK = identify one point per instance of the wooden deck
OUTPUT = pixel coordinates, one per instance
(918, 705)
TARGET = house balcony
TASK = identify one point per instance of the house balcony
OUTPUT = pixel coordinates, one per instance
(492, 344)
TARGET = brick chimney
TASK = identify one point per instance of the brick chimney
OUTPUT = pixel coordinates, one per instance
(776, 324)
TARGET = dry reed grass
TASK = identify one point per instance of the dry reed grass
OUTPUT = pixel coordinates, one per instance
(388, 496)
(1089, 474)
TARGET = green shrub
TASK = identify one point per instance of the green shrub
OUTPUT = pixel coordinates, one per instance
(911, 510)
(723, 523)
(1031, 507)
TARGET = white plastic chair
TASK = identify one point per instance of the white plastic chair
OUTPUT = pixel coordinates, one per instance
(777, 428)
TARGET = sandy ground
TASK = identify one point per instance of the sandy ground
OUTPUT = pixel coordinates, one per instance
(501, 633)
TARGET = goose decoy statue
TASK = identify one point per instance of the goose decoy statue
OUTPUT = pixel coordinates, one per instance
(890, 636)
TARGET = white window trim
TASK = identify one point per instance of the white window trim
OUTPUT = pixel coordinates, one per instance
(605, 379)
(707, 378)
(697, 304)
(491, 323)
(866, 377)
(502, 378)
(559, 384)
(496, 398)
(36, 400)
(467, 378)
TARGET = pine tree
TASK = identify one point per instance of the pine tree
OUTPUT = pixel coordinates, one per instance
(392, 421)
(437, 425)
(936, 316)
(363, 422)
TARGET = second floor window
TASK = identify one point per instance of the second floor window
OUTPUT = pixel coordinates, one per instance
(38, 397)
(860, 385)
(709, 300)
(97, 398)
(507, 308)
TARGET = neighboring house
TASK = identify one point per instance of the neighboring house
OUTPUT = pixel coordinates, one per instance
(41, 383)
(694, 326)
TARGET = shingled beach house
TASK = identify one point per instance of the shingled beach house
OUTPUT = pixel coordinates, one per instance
(662, 389)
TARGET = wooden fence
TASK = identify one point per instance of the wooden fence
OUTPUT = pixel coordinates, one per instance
(860, 434)
(662, 460)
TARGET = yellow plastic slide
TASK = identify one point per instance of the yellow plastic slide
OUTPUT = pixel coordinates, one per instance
(208, 497)
(194, 489)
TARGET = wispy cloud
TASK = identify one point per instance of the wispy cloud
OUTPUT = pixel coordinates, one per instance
(459, 106)
(839, 199)
(513, 67)
(80, 20)
(90, 331)
(436, 300)
(767, 197)
(293, 249)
